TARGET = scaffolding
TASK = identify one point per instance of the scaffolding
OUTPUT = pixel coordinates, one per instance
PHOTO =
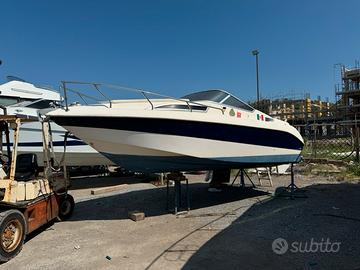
(347, 93)
(299, 110)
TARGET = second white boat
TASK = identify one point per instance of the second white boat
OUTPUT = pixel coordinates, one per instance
(20, 97)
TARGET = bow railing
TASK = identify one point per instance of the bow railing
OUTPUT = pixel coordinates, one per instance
(97, 87)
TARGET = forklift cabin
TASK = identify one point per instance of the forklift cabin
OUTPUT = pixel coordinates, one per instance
(29, 197)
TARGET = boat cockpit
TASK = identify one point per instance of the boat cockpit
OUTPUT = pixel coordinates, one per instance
(218, 96)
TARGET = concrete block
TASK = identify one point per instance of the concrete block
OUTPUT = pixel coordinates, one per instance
(136, 215)
(107, 189)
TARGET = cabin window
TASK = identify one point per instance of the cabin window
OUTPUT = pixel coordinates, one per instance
(7, 101)
(183, 107)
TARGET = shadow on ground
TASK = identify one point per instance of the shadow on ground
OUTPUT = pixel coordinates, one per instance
(153, 202)
(331, 211)
(102, 181)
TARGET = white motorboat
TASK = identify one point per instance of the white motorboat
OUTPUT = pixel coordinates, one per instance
(22, 98)
(201, 131)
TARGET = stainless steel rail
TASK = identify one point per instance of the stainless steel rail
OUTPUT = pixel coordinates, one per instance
(144, 93)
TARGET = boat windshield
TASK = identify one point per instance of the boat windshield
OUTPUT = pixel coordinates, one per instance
(14, 78)
(218, 96)
(212, 95)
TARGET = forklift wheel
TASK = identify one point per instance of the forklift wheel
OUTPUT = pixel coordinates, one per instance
(12, 233)
(66, 207)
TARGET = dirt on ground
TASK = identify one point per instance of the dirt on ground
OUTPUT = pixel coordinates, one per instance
(238, 228)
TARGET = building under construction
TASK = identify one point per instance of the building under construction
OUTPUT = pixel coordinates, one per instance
(348, 94)
(301, 112)
(304, 112)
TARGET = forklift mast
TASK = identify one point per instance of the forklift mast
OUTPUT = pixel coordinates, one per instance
(55, 177)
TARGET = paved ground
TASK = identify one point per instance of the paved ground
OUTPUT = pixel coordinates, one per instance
(233, 229)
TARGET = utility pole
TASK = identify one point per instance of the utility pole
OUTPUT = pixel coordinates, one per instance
(256, 54)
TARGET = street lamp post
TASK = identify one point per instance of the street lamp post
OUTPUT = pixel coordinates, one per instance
(256, 54)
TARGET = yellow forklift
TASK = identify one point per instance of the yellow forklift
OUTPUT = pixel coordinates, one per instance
(30, 196)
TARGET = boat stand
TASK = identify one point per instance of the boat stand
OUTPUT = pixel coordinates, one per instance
(292, 191)
(177, 178)
(242, 173)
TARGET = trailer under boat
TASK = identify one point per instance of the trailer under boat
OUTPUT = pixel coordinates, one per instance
(29, 198)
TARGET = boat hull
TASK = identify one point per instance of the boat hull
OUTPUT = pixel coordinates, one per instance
(158, 145)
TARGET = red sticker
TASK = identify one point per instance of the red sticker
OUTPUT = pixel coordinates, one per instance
(262, 117)
(238, 114)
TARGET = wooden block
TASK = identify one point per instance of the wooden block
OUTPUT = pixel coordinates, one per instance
(136, 215)
(108, 189)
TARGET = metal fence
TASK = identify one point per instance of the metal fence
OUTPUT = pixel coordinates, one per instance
(336, 140)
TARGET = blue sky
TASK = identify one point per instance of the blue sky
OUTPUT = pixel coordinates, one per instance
(175, 47)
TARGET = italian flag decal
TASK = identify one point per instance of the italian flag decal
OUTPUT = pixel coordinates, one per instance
(260, 117)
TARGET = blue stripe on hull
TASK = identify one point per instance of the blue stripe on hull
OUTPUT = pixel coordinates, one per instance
(55, 143)
(184, 163)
